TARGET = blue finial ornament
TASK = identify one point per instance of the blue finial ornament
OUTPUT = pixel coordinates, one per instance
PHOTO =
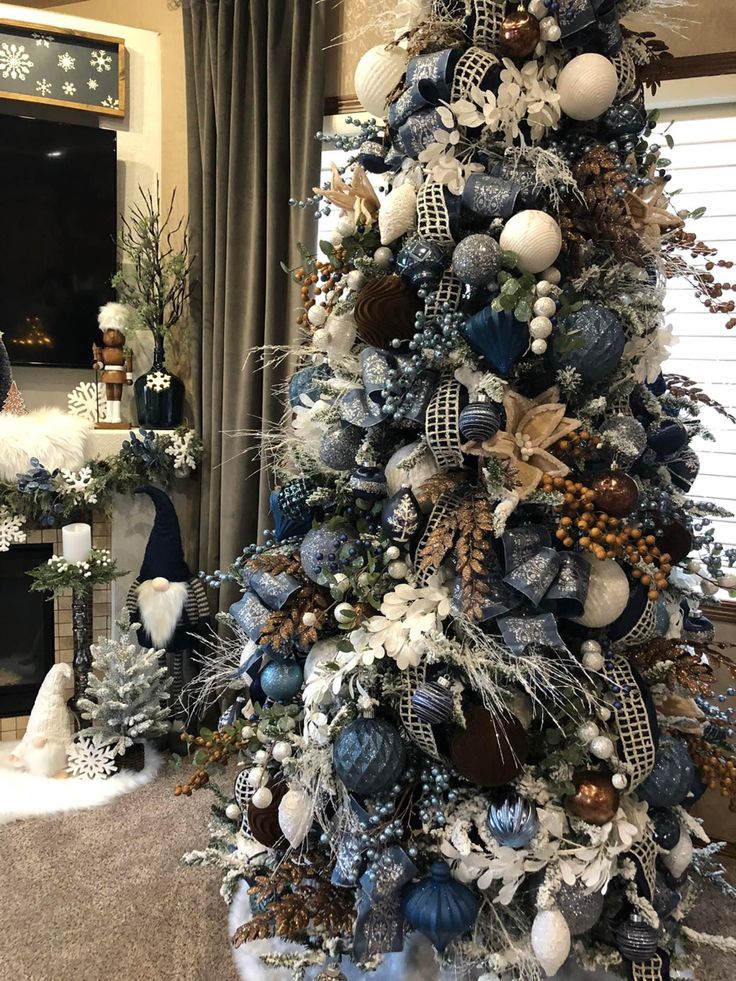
(440, 907)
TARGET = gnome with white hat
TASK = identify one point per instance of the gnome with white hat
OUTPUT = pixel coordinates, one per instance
(166, 599)
(42, 750)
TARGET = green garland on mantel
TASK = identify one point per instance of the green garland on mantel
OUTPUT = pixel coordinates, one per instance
(49, 498)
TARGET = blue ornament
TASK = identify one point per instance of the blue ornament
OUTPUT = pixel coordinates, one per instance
(684, 467)
(432, 702)
(498, 336)
(306, 382)
(293, 497)
(320, 551)
(667, 828)
(401, 518)
(283, 525)
(440, 907)
(368, 484)
(369, 756)
(339, 447)
(624, 119)
(637, 941)
(592, 342)
(513, 821)
(421, 264)
(282, 680)
(479, 421)
(669, 782)
(669, 438)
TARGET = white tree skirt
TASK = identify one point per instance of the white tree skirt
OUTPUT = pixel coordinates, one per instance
(22, 795)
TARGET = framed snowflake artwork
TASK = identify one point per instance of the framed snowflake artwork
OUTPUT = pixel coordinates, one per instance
(59, 67)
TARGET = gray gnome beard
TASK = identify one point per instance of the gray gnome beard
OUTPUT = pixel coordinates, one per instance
(161, 611)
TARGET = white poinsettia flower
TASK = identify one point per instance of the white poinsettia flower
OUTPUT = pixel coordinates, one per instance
(649, 353)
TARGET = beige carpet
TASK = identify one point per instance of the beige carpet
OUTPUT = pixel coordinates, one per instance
(100, 895)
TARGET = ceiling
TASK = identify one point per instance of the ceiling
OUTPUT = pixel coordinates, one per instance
(42, 4)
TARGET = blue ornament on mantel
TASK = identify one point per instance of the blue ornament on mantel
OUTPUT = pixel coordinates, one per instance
(498, 336)
(592, 342)
(513, 821)
(282, 680)
(669, 782)
(369, 756)
(440, 907)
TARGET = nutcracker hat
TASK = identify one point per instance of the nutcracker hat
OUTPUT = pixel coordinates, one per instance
(164, 553)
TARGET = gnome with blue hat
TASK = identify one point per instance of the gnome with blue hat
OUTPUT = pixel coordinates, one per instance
(167, 601)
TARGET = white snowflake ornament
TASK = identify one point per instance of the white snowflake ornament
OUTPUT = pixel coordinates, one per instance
(90, 761)
(158, 381)
(15, 62)
(11, 529)
(87, 401)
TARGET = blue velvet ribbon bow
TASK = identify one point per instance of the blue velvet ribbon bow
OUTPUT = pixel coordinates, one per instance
(264, 594)
(590, 25)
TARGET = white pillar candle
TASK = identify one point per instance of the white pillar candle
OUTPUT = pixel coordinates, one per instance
(76, 542)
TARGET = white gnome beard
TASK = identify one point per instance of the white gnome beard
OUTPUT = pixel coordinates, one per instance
(161, 611)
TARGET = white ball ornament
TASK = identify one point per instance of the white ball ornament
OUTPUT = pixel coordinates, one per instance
(549, 29)
(377, 74)
(261, 757)
(356, 279)
(604, 713)
(679, 857)
(398, 213)
(398, 569)
(602, 748)
(539, 346)
(534, 237)
(619, 781)
(335, 239)
(588, 732)
(543, 287)
(587, 86)
(256, 776)
(309, 619)
(317, 315)
(552, 275)
(392, 552)
(424, 467)
(593, 661)
(382, 257)
(344, 613)
(346, 226)
(550, 940)
(538, 9)
(281, 751)
(296, 813)
(233, 812)
(540, 327)
(321, 339)
(608, 593)
(545, 306)
(261, 798)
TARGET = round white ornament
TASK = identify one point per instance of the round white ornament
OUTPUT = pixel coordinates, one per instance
(398, 569)
(392, 552)
(398, 213)
(588, 732)
(346, 225)
(550, 940)
(382, 256)
(604, 713)
(424, 468)
(255, 776)
(539, 346)
(377, 74)
(545, 306)
(261, 798)
(281, 751)
(549, 29)
(295, 815)
(534, 237)
(587, 86)
(680, 857)
(543, 287)
(593, 661)
(552, 275)
(602, 748)
(608, 593)
(356, 279)
(344, 613)
(540, 327)
(233, 812)
(619, 781)
(317, 315)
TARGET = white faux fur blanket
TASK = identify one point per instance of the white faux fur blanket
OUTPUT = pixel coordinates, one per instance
(55, 438)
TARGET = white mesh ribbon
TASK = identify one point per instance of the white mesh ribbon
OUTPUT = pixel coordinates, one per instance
(652, 970)
(470, 71)
(419, 732)
(433, 219)
(488, 17)
(643, 630)
(636, 739)
(625, 66)
(442, 426)
(449, 292)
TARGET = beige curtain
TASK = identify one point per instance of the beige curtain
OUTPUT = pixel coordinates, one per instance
(254, 101)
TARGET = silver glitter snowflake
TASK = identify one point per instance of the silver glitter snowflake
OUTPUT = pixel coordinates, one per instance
(158, 381)
(90, 761)
(87, 400)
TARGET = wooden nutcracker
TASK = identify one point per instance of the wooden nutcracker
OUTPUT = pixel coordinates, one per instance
(112, 360)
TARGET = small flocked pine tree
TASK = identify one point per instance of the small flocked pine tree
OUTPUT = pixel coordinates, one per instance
(13, 403)
(127, 692)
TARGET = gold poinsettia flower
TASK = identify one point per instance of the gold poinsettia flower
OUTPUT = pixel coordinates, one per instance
(532, 425)
(357, 198)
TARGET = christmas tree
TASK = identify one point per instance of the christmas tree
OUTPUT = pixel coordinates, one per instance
(478, 683)
(14, 404)
(6, 374)
(127, 692)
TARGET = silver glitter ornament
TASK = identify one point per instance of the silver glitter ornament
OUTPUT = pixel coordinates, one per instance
(581, 909)
(669, 782)
(320, 551)
(625, 436)
(369, 756)
(476, 260)
(637, 941)
(513, 821)
(339, 447)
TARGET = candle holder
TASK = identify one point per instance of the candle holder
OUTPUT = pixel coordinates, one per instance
(82, 659)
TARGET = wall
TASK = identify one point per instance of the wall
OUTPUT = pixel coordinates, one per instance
(139, 150)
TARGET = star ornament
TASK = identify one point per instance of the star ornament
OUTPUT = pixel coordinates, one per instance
(648, 211)
(532, 425)
(357, 198)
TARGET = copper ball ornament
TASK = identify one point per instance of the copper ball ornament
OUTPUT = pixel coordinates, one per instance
(616, 493)
(491, 749)
(595, 799)
(385, 310)
(264, 821)
(520, 34)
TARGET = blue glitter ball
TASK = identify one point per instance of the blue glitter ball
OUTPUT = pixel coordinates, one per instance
(513, 821)
(592, 341)
(479, 421)
(320, 551)
(669, 782)
(339, 447)
(369, 756)
(282, 680)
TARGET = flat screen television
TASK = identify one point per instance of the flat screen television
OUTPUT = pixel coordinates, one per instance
(58, 215)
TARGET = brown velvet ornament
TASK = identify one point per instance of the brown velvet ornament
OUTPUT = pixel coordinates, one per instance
(264, 821)
(520, 34)
(595, 799)
(616, 493)
(385, 310)
(491, 750)
(676, 541)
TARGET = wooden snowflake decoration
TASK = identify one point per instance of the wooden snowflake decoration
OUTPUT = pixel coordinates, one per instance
(90, 761)
(87, 401)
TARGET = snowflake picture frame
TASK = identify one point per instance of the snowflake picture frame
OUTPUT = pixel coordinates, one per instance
(59, 67)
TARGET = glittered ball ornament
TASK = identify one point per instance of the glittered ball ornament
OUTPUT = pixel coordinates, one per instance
(479, 421)
(440, 907)
(398, 214)
(595, 799)
(339, 447)
(616, 493)
(587, 86)
(592, 341)
(667, 828)
(670, 437)
(550, 940)
(282, 680)
(491, 750)
(377, 74)
(520, 34)
(581, 909)
(369, 756)
(625, 438)
(513, 821)
(535, 239)
(636, 939)
(320, 552)
(295, 814)
(608, 593)
(476, 260)
(669, 782)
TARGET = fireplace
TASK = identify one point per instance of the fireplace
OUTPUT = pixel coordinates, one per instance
(26, 631)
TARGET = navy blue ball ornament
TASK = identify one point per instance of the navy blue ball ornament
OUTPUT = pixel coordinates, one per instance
(668, 439)
(513, 821)
(369, 756)
(498, 337)
(432, 702)
(421, 264)
(440, 907)
(282, 680)
(636, 940)
(625, 438)
(667, 829)
(624, 119)
(339, 447)
(476, 260)
(401, 519)
(581, 909)
(591, 341)
(684, 468)
(368, 484)
(669, 782)
(320, 551)
(479, 421)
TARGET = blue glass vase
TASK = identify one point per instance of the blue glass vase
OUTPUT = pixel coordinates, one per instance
(159, 395)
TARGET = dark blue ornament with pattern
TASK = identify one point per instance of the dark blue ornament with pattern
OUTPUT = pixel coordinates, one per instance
(401, 519)
(369, 756)
(592, 341)
(479, 421)
(668, 439)
(636, 940)
(432, 702)
(422, 264)
(669, 782)
(440, 907)
(498, 336)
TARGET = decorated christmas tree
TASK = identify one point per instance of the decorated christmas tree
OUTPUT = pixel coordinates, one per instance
(127, 692)
(476, 689)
